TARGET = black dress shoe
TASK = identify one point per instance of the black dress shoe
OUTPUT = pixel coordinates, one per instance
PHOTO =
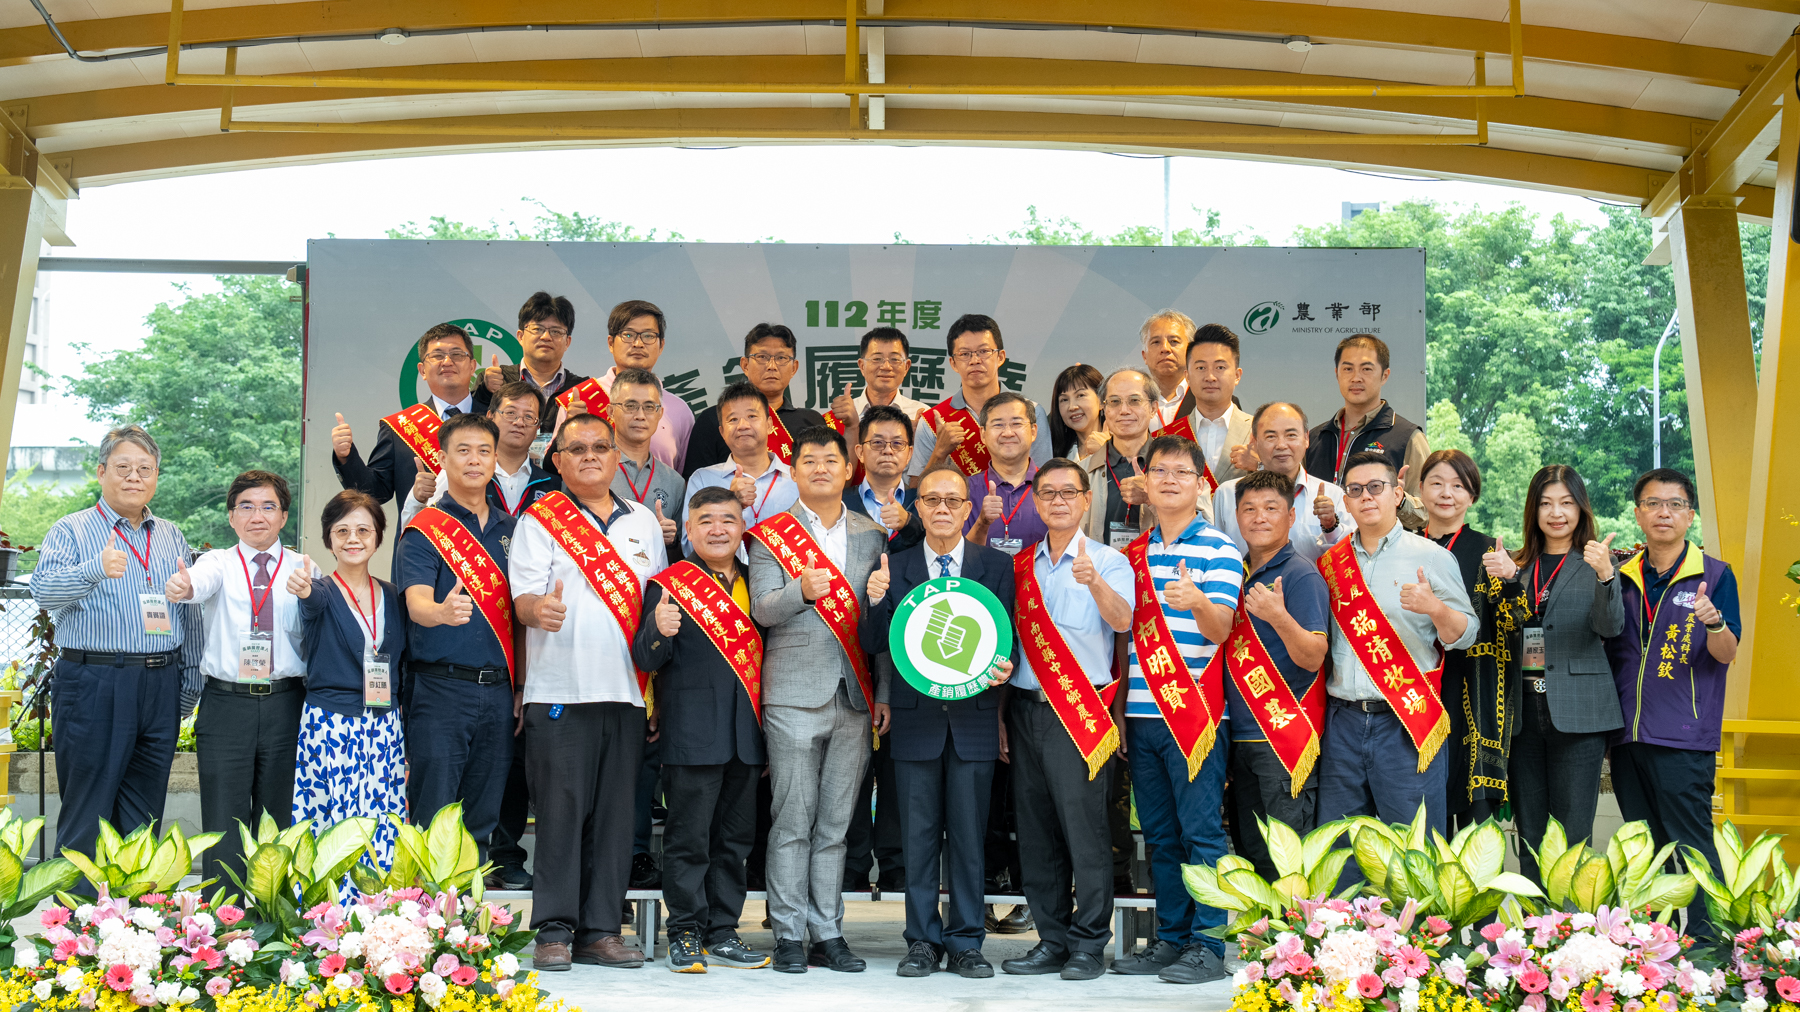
(835, 954)
(922, 959)
(644, 872)
(970, 963)
(892, 882)
(1082, 966)
(1041, 959)
(790, 957)
(1017, 922)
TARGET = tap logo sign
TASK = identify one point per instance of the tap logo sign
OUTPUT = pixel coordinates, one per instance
(947, 636)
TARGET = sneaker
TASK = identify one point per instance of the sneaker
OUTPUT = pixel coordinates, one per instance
(514, 878)
(644, 872)
(685, 954)
(732, 952)
(1196, 965)
(1148, 961)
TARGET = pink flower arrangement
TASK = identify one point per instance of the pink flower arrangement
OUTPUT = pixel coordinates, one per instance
(118, 977)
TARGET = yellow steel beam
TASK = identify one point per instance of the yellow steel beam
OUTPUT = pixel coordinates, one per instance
(1738, 143)
(1697, 64)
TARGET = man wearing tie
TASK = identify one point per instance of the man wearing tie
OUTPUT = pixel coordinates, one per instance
(447, 362)
(944, 751)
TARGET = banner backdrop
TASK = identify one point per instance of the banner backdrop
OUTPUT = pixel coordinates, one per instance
(369, 300)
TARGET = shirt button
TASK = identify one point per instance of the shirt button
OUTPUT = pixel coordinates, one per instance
(946, 706)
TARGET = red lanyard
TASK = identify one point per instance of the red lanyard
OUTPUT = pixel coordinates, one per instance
(1343, 444)
(1537, 596)
(256, 607)
(1006, 518)
(1451, 546)
(511, 510)
(756, 514)
(144, 559)
(374, 611)
(649, 479)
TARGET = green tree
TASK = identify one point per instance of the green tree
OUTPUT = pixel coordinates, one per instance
(1065, 231)
(217, 384)
(1515, 453)
(28, 508)
(1444, 423)
(550, 225)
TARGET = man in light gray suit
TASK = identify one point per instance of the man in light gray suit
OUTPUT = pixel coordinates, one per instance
(817, 707)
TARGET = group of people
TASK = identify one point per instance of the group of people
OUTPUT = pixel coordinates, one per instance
(1232, 615)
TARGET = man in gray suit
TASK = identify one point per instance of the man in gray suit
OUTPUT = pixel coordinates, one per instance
(814, 568)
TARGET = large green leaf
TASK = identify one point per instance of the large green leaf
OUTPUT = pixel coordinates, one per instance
(266, 829)
(1592, 884)
(1374, 855)
(1557, 882)
(340, 846)
(268, 872)
(201, 843)
(1755, 863)
(1514, 884)
(1421, 870)
(161, 863)
(106, 844)
(1484, 853)
(1320, 841)
(1203, 885)
(1292, 888)
(1555, 841)
(41, 880)
(1456, 890)
(443, 843)
(1730, 847)
(95, 876)
(1252, 886)
(1285, 850)
(305, 849)
(1665, 892)
(1416, 833)
(12, 870)
(1399, 886)
(1325, 874)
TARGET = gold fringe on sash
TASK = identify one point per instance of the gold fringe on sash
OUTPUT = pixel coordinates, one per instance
(1202, 749)
(1109, 743)
(1303, 769)
(1440, 733)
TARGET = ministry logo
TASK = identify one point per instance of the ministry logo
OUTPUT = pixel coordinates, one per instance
(1262, 317)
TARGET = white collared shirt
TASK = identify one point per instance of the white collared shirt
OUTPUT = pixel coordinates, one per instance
(512, 486)
(1210, 433)
(466, 405)
(1308, 536)
(907, 405)
(1167, 406)
(931, 559)
(834, 539)
(222, 588)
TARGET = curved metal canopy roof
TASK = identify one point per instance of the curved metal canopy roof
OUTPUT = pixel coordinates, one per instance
(1643, 101)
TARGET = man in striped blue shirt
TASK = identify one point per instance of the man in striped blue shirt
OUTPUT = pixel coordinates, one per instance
(1198, 572)
(130, 662)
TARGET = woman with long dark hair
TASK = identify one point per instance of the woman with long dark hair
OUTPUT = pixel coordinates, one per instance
(1569, 703)
(1076, 427)
(1481, 684)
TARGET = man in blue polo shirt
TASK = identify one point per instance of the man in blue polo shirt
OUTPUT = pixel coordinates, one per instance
(1197, 571)
(1290, 609)
(459, 697)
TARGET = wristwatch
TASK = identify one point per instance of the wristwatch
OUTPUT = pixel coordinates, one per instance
(1716, 629)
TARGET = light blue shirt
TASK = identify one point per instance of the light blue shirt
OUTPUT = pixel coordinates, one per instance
(1072, 607)
(775, 493)
(956, 560)
(1397, 559)
(1217, 568)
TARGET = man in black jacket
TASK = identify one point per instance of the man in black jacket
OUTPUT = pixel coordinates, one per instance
(944, 751)
(447, 362)
(546, 329)
(1366, 421)
(708, 712)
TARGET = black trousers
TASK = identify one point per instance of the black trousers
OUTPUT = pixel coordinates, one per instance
(582, 768)
(1003, 871)
(247, 746)
(1671, 789)
(873, 844)
(944, 813)
(1065, 837)
(114, 729)
(1553, 773)
(1264, 789)
(506, 848)
(706, 840)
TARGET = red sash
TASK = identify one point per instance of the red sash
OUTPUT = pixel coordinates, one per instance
(856, 468)
(787, 539)
(1082, 708)
(972, 456)
(591, 394)
(418, 427)
(725, 624)
(1183, 427)
(781, 443)
(601, 565)
(1193, 720)
(482, 577)
(1412, 693)
(1291, 725)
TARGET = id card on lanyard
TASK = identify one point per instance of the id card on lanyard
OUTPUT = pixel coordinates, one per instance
(256, 648)
(153, 608)
(1532, 642)
(1006, 542)
(378, 683)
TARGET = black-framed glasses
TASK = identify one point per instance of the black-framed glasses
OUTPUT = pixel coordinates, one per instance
(1053, 494)
(931, 502)
(536, 331)
(638, 337)
(887, 445)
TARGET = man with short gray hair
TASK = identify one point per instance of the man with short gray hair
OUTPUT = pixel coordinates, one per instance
(1165, 336)
(130, 662)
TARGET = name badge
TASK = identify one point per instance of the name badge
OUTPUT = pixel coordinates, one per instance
(1011, 546)
(256, 658)
(1533, 648)
(637, 551)
(155, 610)
(1120, 536)
(378, 685)
(541, 446)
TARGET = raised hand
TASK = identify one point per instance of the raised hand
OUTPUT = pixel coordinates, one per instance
(1001, 671)
(456, 607)
(668, 616)
(424, 480)
(491, 377)
(1245, 459)
(744, 487)
(669, 530)
(879, 580)
(1418, 597)
(342, 442)
(299, 582)
(1135, 490)
(180, 586)
(1266, 600)
(112, 558)
(551, 610)
(1598, 554)
(1325, 510)
(1094, 442)
(815, 582)
(1498, 562)
(1704, 610)
(1182, 593)
(893, 515)
(844, 406)
(993, 507)
(950, 436)
(1082, 569)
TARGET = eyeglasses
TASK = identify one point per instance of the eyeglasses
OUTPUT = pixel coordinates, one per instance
(146, 472)
(580, 450)
(630, 408)
(887, 445)
(1006, 425)
(440, 357)
(1180, 474)
(932, 502)
(339, 534)
(250, 509)
(1373, 488)
(1134, 403)
(771, 361)
(969, 355)
(536, 331)
(632, 338)
(1053, 494)
(511, 417)
(1658, 505)
(879, 360)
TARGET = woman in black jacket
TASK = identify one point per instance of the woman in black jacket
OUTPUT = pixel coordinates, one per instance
(352, 755)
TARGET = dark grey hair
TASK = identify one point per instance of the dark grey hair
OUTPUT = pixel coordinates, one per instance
(638, 377)
(133, 434)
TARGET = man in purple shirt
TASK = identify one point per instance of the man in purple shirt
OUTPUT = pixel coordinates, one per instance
(1008, 518)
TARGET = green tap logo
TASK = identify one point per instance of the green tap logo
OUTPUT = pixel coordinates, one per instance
(947, 635)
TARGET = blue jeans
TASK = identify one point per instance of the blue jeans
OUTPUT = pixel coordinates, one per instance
(1182, 822)
(459, 747)
(1368, 766)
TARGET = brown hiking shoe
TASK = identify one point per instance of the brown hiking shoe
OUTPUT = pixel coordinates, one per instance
(550, 956)
(609, 950)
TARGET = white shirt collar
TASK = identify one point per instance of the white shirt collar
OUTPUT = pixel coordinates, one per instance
(955, 553)
(466, 405)
(1175, 398)
(1200, 419)
(730, 465)
(843, 518)
(1068, 551)
(275, 551)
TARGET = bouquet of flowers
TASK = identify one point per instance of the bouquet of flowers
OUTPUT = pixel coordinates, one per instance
(1347, 954)
(1765, 967)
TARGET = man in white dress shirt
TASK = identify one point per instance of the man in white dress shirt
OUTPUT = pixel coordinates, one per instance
(249, 722)
(1219, 424)
(884, 361)
(1165, 337)
(580, 705)
(761, 481)
(1279, 442)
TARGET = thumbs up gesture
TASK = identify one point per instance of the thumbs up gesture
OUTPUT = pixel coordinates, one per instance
(814, 581)
(1418, 597)
(1266, 600)
(424, 480)
(1182, 593)
(1325, 510)
(1244, 458)
(879, 580)
(950, 435)
(669, 532)
(456, 607)
(112, 558)
(744, 487)
(844, 407)
(1135, 489)
(491, 377)
(342, 442)
(893, 515)
(1083, 567)
(1704, 610)
(1499, 562)
(299, 582)
(551, 611)
(993, 507)
(668, 615)
(180, 586)
(1598, 554)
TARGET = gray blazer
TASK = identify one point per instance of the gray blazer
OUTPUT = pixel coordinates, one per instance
(1579, 615)
(802, 661)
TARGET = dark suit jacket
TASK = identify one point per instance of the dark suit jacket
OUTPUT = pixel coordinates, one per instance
(920, 723)
(510, 373)
(702, 710)
(1579, 615)
(910, 536)
(390, 467)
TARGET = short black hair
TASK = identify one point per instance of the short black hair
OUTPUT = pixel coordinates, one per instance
(1178, 446)
(515, 391)
(637, 378)
(1363, 458)
(1667, 475)
(973, 323)
(885, 413)
(347, 502)
(884, 334)
(581, 419)
(259, 479)
(542, 306)
(457, 423)
(821, 435)
(1274, 481)
(631, 309)
(444, 332)
(1002, 399)
(1214, 333)
(738, 392)
(1369, 341)
(768, 332)
(1256, 419)
(712, 495)
(1060, 464)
